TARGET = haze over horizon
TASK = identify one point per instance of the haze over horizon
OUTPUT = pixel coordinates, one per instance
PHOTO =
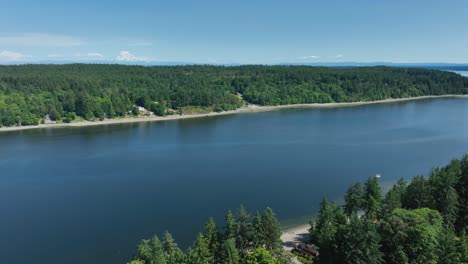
(213, 32)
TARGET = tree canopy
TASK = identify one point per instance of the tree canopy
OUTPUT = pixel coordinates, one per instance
(95, 91)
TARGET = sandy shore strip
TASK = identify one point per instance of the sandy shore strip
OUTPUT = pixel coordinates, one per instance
(294, 235)
(245, 109)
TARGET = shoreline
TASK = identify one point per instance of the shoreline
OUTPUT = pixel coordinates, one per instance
(293, 235)
(244, 109)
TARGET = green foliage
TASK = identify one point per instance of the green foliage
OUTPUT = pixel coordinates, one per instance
(258, 238)
(158, 252)
(417, 193)
(230, 230)
(417, 234)
(444, 197)
(261, 256)
(393, 198)
(449, 248)
(326, 231)
(373, 197)
(200, 252)
(361, 242)
(230, 253)
(395, 236)
(271, 230)
(173, 253)
(242, 236)
(151, 251)
(354, 198)
(212, 238)
(29, 92)
(462, 190)
(243, 228)
(158, 109)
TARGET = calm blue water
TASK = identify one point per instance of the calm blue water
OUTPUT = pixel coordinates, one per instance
(88, 195)
(463, 73)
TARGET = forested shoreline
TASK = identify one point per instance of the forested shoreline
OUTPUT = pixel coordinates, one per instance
(423, 221)
(67, 93)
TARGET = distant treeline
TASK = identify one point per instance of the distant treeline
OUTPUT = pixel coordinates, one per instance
(96, 91)
(424, 221)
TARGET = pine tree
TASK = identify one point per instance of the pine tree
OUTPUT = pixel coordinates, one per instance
(354, 198)
(373, 198)
(243, 228)
(271, 230)
(330, 221)
(443, 194)
(231, 226)
(448, 251)
(257, 231)
(145, 252)
(173, 253)
(417, 194)
(360, 244)
(200, 253)
(393, 198)
(393, 232)
(158, 252)
(230, 254)
(212, 238)
(462, 191)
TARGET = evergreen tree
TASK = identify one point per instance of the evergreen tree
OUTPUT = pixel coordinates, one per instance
(360, 244)
(200, 253)
(448, 250)
(393, 198)
(354, 198)
(145, 252)
(373, 198)
(243, 228)
(271, 230)
(230, 230)
(417, 194)
(462, 247)
(257, 231)
(393, 232)
(230, 254)
(330, 221)
(173, 253)
(462, 191)
(158, 252)
(444, 197)
(212, 238)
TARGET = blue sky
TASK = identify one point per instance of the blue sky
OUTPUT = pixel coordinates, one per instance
(253, 31)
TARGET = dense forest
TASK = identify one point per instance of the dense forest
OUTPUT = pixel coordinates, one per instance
(422, 222)
(66, 93)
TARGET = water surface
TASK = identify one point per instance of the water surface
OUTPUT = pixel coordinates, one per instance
(87, 195)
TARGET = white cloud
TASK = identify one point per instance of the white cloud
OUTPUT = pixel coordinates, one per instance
(40, 39)
(55, 56)
(337, 56)
(11, 56)
(126, 56)
(91, 55)
(308, 57)
(140, 44)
